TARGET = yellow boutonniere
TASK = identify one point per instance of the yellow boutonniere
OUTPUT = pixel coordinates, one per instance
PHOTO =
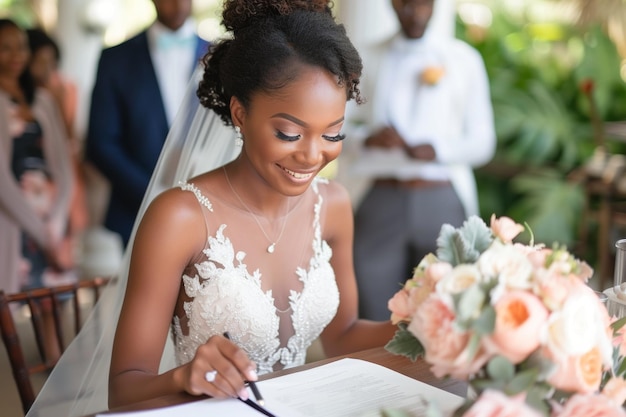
(432, 75)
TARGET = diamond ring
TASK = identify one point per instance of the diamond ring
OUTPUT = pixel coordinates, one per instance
(210, 376)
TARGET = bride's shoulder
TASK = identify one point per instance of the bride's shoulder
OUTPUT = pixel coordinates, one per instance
(334, 193)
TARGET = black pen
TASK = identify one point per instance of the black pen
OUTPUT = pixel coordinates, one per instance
(251, 384)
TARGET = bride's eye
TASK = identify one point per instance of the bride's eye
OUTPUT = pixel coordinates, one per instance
(337, 138)
(282, 136)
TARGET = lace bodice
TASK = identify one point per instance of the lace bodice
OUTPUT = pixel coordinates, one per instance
(226, 296)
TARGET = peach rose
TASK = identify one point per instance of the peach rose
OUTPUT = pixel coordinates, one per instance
(505, 229)
(399, 307)
(493, 403)
(581, 373)
(519, 318)
(589, 406)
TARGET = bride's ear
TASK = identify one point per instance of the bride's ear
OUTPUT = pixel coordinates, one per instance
(237, 111)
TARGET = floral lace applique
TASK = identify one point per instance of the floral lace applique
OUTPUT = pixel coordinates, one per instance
(226, 296)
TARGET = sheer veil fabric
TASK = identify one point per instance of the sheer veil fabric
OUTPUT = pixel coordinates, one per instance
(198, 141)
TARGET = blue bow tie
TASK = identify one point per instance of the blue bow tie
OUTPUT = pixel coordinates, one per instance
(169, 40)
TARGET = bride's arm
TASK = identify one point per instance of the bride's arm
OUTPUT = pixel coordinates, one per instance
(346, 333)
(168, 238)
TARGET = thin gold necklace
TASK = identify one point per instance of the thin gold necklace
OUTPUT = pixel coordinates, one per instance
(272, 246)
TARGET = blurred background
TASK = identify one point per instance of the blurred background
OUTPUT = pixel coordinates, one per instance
(556, 68)
(557, 71)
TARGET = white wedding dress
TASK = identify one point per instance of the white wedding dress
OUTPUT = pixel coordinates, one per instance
(226, 295)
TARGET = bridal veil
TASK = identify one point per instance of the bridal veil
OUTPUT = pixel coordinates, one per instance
(197, 142)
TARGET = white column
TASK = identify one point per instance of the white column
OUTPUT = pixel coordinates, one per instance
(80, 49)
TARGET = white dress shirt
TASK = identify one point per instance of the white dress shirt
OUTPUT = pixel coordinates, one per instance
(454, 115)
(172, 54)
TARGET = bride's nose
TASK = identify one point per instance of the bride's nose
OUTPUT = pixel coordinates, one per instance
(309, 152)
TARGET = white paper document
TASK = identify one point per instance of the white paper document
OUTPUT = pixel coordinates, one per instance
(344, 388)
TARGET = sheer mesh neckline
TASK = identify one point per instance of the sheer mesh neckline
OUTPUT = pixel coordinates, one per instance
(225, 294)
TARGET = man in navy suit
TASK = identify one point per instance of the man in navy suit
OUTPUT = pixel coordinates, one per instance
(139, 86)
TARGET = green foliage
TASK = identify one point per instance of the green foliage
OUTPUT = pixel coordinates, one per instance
(465, 244)
(542, 117)
(405, 344)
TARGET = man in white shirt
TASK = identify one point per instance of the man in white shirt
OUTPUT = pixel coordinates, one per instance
(139, 87)
(427, 122)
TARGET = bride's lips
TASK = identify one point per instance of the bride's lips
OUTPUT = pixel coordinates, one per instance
(299, 176)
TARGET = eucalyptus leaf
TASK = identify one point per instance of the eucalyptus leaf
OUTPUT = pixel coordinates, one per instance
(522, 381)
(501, 369)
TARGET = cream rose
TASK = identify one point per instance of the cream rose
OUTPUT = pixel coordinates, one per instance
(459, 279)
(508, 264)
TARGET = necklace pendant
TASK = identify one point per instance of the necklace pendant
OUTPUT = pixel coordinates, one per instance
(270, 248)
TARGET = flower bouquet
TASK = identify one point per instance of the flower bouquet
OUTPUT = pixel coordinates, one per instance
(517, 321)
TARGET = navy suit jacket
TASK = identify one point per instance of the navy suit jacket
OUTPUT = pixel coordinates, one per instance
(128, 126)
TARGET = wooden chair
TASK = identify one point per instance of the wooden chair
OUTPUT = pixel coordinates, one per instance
(57, 297)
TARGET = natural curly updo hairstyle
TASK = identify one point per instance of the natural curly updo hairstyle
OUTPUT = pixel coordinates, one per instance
(271, 40)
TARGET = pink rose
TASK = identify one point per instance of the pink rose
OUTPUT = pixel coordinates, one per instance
(589, 406)
(446, 347)
(554, 289)
(399, 307)
(505, 228)
(519, 317)
(495, 404)
(615, 389)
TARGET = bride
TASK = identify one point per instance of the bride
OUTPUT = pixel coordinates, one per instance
(251, 242)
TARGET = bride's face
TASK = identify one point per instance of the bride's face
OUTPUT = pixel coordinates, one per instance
(291, 134)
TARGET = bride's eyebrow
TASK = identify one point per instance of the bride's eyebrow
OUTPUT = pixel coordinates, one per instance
(301, 122)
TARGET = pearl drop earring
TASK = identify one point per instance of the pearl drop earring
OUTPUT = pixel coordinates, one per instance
(239, 139)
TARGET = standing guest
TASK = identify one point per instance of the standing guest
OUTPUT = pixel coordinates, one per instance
(428, 122)
(259, 247)
(44, 68)
(139, 86)
(35, 177)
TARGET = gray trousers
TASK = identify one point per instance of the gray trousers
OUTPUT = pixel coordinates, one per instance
(395, 227)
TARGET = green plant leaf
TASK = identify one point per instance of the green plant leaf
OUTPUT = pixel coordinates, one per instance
(522, 381)
(405, 343)
(486, 322)
(500, 369)
(465, 244)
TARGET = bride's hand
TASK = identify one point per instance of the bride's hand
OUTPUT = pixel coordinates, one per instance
(219, 369)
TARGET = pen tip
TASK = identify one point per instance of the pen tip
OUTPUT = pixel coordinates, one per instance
(261, 402)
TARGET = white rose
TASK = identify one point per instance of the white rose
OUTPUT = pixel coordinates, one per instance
(576, 328)
(508, 264)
